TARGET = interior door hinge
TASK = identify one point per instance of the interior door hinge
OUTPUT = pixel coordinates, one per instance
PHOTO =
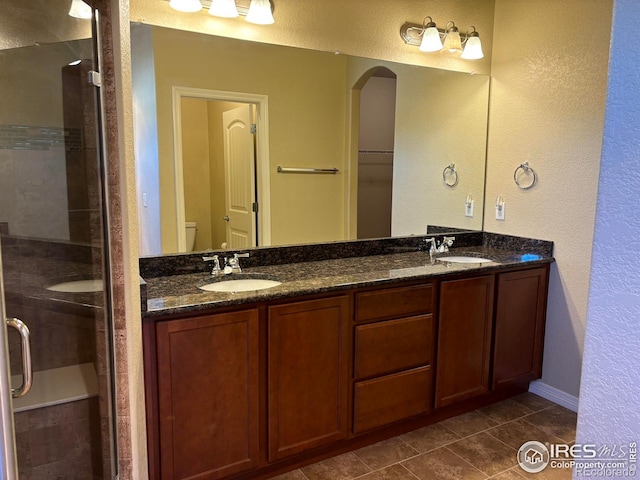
(254, 128)
(254, 207)
(95, 79)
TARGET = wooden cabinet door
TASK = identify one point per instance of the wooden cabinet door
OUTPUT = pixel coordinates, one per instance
(208, 395)
(308, 351)
(519, 329)
(464, 339)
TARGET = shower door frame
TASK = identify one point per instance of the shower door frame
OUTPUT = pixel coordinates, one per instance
(8, 452)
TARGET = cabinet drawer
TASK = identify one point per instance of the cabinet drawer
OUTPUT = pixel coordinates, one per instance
(394, 302)
(385, 400)
(393, 345)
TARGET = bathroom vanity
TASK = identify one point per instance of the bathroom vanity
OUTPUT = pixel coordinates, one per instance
(344, 353)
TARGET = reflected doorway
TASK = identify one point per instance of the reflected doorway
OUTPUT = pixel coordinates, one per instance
(221, 164)
(375, 154)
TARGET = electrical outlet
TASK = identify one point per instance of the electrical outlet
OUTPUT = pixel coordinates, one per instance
(500, 208)
(468, 208)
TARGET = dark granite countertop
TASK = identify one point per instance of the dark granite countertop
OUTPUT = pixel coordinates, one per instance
(178, 294)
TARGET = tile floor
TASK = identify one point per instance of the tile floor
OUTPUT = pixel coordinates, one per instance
(478, 445)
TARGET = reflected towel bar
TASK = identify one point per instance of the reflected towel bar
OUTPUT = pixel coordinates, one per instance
(306, 170)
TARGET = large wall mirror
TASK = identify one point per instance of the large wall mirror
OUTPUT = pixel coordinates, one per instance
(343, 147)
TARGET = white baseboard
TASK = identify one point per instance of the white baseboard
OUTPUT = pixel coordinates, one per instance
(557, 396)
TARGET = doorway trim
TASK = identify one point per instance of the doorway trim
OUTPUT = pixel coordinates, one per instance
(262, 155)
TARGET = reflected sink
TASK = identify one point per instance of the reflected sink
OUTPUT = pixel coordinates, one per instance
(79, 286)
(463, 259)
(243, 285)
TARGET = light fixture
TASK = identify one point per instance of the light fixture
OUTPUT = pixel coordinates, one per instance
(79, 9)
(431, 39)
(473, 46)
(224, 8)
(260, 12)
(188, 6)
(255, 11)
(452, 41)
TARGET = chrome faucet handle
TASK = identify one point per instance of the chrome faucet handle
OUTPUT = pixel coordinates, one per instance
(235, 261)
(445, 244)
(215, 271)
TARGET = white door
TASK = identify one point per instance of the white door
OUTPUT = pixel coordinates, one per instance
(239, 165)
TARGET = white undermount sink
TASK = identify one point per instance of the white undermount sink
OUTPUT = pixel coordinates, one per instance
(463, 259)
(242, 285)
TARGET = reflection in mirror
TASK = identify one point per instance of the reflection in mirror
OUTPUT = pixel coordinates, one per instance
(375, 154)
(319, 111)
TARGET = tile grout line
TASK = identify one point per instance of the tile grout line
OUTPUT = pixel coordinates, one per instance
(363, 463)
(409, 471)
(445, 445)
(472, 466)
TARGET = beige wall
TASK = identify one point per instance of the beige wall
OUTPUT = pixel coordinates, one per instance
(435, 109)
(304, 130)
(146, 144)
(354, 27)
(195, 168)
(547, 108)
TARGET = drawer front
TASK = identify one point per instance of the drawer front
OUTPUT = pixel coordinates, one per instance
(394, 302)
(385, 400)
(394, 345)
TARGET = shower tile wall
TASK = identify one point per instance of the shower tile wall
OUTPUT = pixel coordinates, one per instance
(33, 180)
(57, 441)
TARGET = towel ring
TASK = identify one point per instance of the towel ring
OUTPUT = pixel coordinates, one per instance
(450, 175)
(526, 170)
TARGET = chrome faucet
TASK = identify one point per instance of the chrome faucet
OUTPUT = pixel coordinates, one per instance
(215, 271)
(431, 242)
(234, 262)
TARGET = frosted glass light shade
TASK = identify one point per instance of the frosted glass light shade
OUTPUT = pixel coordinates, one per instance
(452, 41)
(186, 5)
(224, 8)
(79, 9)
(431, 40)
(472, 49)
(260, 12)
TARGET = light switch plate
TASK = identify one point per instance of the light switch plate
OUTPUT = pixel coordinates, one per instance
(468, 208)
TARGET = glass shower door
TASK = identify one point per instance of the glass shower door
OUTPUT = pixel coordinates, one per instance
(53, 247)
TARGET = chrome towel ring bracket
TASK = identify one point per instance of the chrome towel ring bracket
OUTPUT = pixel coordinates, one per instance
(524, 170)
(450, 175)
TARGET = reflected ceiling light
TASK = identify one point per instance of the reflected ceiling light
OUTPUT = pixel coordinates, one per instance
(260, 12)
(224, 8)
(431, 39)
(75, 62)
(188, 6)
(79, 9)
(255, 11)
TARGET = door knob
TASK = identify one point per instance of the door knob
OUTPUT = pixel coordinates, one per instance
(226, 218)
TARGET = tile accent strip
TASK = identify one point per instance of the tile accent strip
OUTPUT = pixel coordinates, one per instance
(30, 137)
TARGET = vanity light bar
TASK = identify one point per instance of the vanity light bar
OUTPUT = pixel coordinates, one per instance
(431, 39)
(255, 11)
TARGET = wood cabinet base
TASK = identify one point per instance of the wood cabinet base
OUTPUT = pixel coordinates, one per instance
(374, 436)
